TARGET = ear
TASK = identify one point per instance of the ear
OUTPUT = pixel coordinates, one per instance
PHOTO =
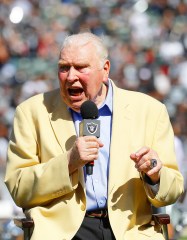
(106, 70)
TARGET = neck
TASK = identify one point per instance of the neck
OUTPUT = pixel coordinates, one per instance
(101, 96)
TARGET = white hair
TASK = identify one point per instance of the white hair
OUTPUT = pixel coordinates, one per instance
(85, 38)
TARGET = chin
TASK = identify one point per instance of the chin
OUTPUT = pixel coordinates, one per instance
(75, 107)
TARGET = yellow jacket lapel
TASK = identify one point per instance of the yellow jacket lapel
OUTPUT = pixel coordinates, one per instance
(62, 124)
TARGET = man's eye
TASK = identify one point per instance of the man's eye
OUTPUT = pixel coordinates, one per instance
(81, 69)
(63, 68)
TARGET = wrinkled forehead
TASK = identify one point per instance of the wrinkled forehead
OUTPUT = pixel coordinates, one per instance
(80, 39)
(78, 45)
(78, 50)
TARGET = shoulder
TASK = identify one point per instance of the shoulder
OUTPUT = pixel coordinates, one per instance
(135, 98)
(39, 105)
(42, 99)
(142, 98)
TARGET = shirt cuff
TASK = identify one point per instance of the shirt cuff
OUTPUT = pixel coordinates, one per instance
(154, 188)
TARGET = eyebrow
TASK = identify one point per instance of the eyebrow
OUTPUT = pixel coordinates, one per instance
(61, 62)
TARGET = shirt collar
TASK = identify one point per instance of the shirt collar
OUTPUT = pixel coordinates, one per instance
(108, 100)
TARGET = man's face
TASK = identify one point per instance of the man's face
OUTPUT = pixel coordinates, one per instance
(81, 75)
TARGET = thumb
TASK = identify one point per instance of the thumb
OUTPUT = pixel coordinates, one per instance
(100, 143)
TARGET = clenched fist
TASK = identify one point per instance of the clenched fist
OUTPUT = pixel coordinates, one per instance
(84, 150)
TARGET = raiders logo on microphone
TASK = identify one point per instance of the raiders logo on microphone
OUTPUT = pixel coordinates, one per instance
(92, 127)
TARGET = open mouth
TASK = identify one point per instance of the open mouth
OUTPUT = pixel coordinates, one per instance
(75, 91)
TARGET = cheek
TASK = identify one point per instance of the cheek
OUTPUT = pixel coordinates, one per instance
(92, 89)
(62, 87)
(61, 78)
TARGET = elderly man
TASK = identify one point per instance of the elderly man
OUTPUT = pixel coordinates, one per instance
(135, 164)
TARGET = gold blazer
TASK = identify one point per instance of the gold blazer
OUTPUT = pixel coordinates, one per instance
(37, 169)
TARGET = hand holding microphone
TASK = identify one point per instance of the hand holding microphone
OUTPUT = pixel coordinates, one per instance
(86, 147)
(90, 126)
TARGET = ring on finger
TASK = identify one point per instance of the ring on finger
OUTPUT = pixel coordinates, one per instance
(153, 163)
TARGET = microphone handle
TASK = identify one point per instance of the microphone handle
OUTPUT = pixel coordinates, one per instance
(89, 127)
(89, 168)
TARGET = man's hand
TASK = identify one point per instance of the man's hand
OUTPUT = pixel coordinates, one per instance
(142, 159)
(84, 150)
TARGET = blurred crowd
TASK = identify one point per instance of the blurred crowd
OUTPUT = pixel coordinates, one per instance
(147, 41)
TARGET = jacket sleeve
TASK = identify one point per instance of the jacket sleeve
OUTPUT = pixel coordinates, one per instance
(171, 180)
(31, 181)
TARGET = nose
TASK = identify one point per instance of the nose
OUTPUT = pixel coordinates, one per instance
(72, 74)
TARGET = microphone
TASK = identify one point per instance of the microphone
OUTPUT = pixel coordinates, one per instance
(89, 126)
